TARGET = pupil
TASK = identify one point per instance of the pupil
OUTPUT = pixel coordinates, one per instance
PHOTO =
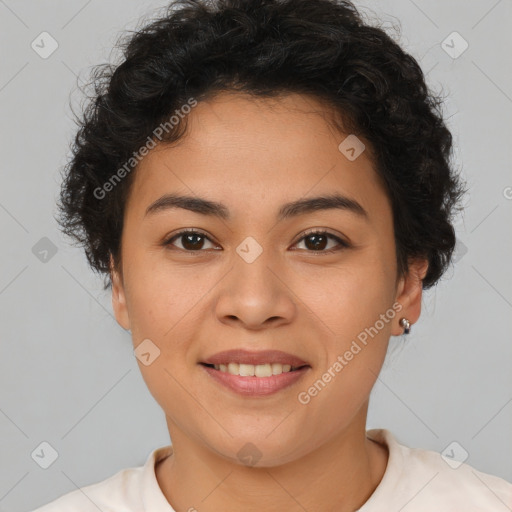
(318, 243)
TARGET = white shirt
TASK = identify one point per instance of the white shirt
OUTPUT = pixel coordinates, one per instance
(415, 480)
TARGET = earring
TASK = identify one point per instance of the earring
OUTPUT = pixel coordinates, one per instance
(406, 325)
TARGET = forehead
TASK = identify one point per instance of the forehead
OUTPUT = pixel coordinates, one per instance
(239, 150)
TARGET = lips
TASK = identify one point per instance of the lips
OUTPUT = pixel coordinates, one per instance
(242, 356)
(256, 387)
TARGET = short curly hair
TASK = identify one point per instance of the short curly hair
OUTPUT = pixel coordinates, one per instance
(265, 48)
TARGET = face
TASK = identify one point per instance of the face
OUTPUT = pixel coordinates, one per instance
(255, 278)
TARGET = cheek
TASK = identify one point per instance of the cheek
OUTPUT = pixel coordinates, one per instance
(165, 305)
(346, 299)
(161, 294)
(354, 354)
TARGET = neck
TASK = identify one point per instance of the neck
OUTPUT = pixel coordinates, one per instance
(340, 475)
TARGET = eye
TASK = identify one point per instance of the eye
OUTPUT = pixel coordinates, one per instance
(190, 240)
(318, 240)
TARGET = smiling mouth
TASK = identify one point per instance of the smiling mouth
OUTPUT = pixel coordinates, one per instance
(255, 381)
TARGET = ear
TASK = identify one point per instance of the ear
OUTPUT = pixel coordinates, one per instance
(119, 297)
(409, 293)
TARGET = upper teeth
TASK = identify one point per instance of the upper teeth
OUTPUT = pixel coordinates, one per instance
(257, 370)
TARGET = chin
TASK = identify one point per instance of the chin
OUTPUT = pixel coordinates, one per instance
(263, 451)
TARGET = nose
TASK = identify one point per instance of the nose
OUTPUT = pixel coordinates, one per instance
(255, 295)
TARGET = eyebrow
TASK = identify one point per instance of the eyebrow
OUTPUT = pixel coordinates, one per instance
(288, 210)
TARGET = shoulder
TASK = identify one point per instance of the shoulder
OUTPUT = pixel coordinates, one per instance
(421, 480)
(121, 492)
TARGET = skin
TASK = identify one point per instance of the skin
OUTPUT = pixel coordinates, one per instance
(254, 155)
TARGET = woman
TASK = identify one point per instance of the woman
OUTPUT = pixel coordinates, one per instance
(267, 187)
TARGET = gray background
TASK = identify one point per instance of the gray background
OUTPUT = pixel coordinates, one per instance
(67, 371)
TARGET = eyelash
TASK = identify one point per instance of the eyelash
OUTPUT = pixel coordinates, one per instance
(314, 231)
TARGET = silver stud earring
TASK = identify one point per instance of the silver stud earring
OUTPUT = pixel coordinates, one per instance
(406, 325)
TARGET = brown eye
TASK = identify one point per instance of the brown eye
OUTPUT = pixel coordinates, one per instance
(190, 241)
(318, 241)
